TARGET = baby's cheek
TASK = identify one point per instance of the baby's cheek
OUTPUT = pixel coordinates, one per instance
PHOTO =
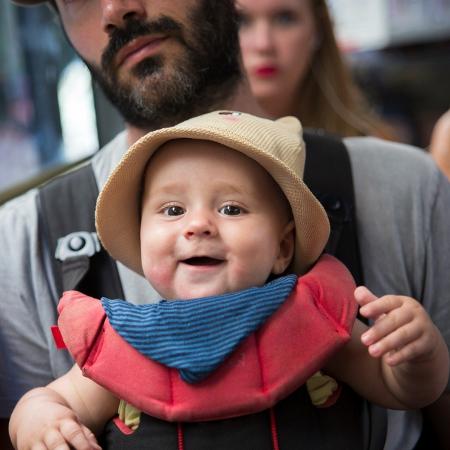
(246, 275)
(159, 277)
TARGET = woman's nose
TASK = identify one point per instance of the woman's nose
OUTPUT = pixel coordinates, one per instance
(262, 37)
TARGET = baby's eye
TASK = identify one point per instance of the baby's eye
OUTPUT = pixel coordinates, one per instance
(230, 210)
(173, 210)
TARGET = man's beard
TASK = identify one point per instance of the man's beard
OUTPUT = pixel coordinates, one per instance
(161, 92)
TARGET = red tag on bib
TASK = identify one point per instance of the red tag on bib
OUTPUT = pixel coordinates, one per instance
(57, 337)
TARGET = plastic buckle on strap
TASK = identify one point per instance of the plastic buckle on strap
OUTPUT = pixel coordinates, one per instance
(79, 243)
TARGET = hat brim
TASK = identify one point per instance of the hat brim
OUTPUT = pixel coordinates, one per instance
(118, 205)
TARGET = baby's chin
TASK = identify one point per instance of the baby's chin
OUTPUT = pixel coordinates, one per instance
(200, 293)
(196, 292)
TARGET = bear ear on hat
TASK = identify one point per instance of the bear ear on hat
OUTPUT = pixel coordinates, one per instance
(291, 123)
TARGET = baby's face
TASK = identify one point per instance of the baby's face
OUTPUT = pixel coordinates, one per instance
(213, 221)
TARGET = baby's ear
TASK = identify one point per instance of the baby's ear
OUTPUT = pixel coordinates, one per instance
(286, 252)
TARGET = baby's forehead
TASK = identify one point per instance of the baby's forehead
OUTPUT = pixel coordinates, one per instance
(178, 159)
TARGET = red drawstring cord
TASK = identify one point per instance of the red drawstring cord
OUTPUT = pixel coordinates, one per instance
(273, 429)
(180, 436)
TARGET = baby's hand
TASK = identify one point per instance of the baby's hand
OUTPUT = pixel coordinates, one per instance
(56, 428)
(402, 330)
(69, 434)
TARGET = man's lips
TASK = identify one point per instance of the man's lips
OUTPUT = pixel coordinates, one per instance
(139, 49)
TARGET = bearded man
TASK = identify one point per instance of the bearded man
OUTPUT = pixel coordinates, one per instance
(163, 61)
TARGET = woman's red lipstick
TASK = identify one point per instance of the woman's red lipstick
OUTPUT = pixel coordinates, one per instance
(266, 71)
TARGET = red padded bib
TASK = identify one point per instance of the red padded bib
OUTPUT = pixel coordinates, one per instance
(270, 364)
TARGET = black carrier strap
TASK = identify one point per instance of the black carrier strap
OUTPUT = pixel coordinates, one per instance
(328, 174)
(67, 208)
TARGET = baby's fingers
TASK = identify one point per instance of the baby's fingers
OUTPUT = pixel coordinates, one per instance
(38, 446)
(54, 440)
(378, 307)
(398, 346)
(383, 327)
(407, 353)
(91, 438)
(363, 296)
(78, 436)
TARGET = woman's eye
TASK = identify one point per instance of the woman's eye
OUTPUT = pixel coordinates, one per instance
(230, 210)
(285, 18)
(173, 210)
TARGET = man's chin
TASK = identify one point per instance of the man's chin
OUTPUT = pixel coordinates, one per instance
(127, 79)
(151, 69)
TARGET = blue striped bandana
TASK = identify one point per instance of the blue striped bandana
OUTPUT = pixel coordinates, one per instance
(195, 336)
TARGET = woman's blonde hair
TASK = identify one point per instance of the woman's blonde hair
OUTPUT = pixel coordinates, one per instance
(330, 98)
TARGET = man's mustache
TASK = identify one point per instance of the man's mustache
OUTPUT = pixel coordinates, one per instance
(136, 28)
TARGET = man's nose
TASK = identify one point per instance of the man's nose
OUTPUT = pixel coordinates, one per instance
(116, 12)
(200, 224)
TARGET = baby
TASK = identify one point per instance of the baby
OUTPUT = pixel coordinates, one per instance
(214, 212)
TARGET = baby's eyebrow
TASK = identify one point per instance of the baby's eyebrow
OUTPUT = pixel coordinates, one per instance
(227, 188)
(175, 187)
(220, 187)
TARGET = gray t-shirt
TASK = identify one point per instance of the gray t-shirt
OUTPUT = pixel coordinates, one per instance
(403, 220)
(402, 204)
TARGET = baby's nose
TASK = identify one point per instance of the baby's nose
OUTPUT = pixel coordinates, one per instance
(201, 225)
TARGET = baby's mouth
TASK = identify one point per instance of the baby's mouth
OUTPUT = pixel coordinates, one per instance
(202, 261)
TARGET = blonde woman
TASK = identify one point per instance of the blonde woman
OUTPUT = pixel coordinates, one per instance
(295, 67)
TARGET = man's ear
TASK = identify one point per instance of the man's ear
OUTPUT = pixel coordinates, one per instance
(287, 243)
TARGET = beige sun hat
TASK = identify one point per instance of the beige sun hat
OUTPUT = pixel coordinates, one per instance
(276, 145)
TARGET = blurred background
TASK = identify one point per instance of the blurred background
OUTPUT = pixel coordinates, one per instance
(52, 115)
